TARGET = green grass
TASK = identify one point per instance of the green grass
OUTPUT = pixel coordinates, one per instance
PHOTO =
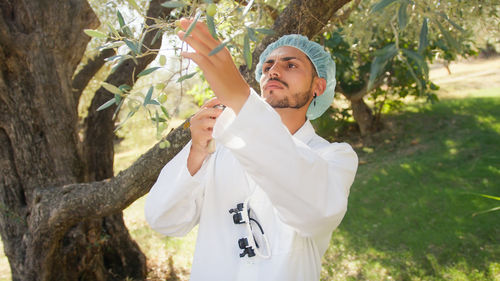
(411, 207)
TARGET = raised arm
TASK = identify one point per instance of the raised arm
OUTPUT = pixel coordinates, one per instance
(219, 69)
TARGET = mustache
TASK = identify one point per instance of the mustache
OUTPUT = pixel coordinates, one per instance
(279, 80)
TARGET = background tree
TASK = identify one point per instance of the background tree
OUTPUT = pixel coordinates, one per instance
(60, 204)
(383, 49)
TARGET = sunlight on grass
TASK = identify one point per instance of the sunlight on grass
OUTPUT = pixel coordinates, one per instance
(411, 207)
(157, 248)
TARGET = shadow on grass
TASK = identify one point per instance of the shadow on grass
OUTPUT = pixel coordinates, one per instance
(410, 208)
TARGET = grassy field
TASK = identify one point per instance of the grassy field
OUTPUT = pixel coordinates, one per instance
(411, 209)
(412, 206)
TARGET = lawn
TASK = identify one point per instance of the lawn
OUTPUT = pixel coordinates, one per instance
(413, 206)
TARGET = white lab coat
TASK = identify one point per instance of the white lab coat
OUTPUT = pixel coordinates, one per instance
(297, 187)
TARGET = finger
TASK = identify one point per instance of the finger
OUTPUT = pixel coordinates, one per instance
(202, 61)
(210, 113)
(195, 43)
(201, 31)
(211, 102)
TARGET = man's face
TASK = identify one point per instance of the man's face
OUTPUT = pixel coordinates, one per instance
(287, 79)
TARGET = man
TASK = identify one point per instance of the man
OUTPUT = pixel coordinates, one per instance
(269, 197)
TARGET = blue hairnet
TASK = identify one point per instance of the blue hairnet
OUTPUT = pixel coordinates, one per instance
(322, 61)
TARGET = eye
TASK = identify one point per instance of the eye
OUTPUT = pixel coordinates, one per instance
(266, 69)
(291, 65)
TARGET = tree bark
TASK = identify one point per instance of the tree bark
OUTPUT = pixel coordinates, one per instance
(361, 112)
(306, 17)
(363, 116)
(41, 45)
(60, 207)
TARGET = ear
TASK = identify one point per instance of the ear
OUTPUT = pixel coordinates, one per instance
(319, 85)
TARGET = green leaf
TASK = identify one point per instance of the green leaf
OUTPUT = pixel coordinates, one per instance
(402, 15)
(132, 46)
(387, 52)
(107, 104)
(452, 42)
(147, 99)
(128, 32)
(381, 5)
(113, 58)
(218, 48)
(378, 64)
(211, 27)
(111, 88)
(134, 4)
(115, 67)
(120, 19)
(173, 4)
(422, 64)
(246, 51)
(123, 26)
(95, 33)
(120, 103)
(265, 31)
(193, 24)
(251, 34)
(112, 30)
(423, 41)
(158, 34)
(487, 211)
(118, 98)
(158, 119)
(110, 45)
(490, 197)
(187, 76)
(124, 87)
(130, 114)
(147, 71)
(165, 112)
(443, 15)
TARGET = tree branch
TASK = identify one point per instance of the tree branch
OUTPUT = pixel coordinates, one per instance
(75, 202)
(306, 17)
(83, 77)
(342, 18)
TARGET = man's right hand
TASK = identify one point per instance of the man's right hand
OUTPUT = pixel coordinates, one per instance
(201, 127)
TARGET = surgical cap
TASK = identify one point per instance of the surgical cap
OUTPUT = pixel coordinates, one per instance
(322, 61)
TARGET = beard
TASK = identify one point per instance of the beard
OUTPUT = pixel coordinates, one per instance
(296, 100)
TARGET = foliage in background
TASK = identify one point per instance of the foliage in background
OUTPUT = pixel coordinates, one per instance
(237, 25)
(384, 48)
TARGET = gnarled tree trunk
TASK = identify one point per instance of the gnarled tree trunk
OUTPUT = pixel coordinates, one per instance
(40, 151)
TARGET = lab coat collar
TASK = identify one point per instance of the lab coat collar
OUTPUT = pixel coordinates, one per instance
(306, 132)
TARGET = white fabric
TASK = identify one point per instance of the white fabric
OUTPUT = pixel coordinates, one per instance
(297, 187)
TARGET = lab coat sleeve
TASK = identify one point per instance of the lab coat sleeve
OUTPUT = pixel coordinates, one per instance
(174, 202)
(308, 188)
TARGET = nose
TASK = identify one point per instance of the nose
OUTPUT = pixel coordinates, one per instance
(274, 71)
